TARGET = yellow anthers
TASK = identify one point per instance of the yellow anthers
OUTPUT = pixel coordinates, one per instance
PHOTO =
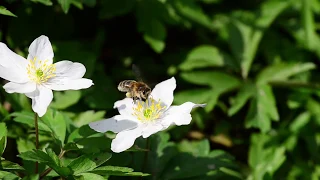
(148, 110)
(40, 71)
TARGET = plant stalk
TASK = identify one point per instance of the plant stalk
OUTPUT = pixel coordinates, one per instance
(37, 138)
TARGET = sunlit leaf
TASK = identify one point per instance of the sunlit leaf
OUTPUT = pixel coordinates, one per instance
(205, 56)
(65, 99)
(45, 2)
(282, 71)
(3, 137)
(87, 163)
(4, 11)
(262, 109)
(56, 122)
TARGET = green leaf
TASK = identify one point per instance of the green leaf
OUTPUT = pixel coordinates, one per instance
(89, 176)
(65, 5)
(264, 160)
(110, 9)
(244, 36)
(49, 158)
(299, 122)
(44, 2)
(192, 11)
(65, 99)
(117, 171)
(28, 119)
(89, 116)
(282, 71)
(31, 177)
(3, 137)
(25, 145)
(205, 56)
(10, 166)
(196, 95)
(56, 122)
(196, 148)
(218, 80)
(150, 23)
(245, 93)
(155, 34)
(87, 163)
(262, 109)
(80, 134)
(4, 175)
(6, 12)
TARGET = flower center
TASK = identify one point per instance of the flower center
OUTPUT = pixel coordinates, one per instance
(148, 110)
(40, 71)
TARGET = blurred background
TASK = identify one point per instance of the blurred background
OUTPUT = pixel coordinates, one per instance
(254, 62)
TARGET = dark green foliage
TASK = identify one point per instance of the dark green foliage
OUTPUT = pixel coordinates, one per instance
(254, 63)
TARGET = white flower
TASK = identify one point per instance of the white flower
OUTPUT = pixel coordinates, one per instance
(145, 118)
(36, 76)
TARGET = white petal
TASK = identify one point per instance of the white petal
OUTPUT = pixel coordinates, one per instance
(41, 100)
(41, 49)
(164, 91)
(70, 70)
(180, 115)
(115, 124)
(12, 87)
(125, 107)
(151, 128)
(59, 84)
(125, 139)
(13, 67)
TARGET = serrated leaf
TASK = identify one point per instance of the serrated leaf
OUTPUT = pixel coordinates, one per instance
(10, 166)
(6, 12)
(262, 109)
(117, 171)
(87, 163)
(205, 56)
(28, 119)
(49, 158)
(57, 124)
(3, 137)
(44, 2)
(88, 116)
(282, 71)
(4, 175)
(62, 100)
(244, 94)
(89, 176)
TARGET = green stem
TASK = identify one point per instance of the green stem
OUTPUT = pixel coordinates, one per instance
(145, 162)
(37, 138)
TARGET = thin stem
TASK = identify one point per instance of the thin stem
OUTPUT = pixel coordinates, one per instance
(145, 156)
(47, 171)
(37, 138)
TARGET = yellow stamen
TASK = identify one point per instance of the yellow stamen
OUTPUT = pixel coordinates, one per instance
(40, 71)
(148, 110)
